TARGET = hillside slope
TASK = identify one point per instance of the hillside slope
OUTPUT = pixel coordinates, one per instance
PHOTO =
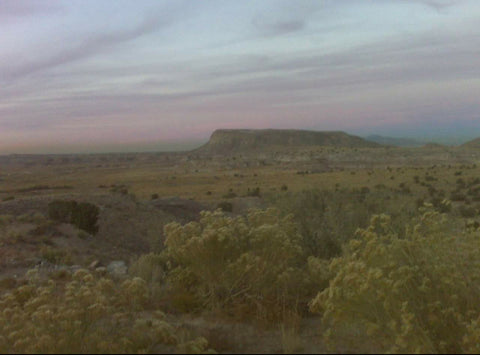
(392, 141)
(475, 143)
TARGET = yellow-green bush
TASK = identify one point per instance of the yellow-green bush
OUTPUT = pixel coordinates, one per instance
(328, 219)
(415, 293)
(151, 268)
(249, 266)
(85, 315)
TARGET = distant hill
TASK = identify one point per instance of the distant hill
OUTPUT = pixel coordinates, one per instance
(238, 140)
(397, 142)
(432, 145)
(475, 143)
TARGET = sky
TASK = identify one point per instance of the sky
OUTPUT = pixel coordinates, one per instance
(138, 75)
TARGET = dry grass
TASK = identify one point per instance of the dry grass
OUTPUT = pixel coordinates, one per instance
(131, 225)
(145, 181)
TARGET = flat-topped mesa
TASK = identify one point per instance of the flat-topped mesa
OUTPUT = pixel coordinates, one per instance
(237, 140)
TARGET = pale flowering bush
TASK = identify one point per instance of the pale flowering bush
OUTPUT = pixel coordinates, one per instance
(415, 293)
(85, 315)
(151, 268)
(247, 266)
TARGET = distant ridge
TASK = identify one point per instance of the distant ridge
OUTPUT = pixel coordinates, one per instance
(475, 143)
(397, 142)
(434, 145)
(238, 140)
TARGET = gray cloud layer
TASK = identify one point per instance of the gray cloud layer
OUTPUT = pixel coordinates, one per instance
(88, 47)
(12, 9)
(405, 78)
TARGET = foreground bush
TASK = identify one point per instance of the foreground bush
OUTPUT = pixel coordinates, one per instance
(417, 293)
(86, 315)
(248, 266)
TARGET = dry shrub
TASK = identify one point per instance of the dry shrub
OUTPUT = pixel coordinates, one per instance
(245, 266)
(329, 219)
(85, 315)
(83, 215)
(151, 268)
(6, 220)
(416, 293)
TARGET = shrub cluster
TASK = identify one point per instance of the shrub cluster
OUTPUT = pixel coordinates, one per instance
(415, 293)
(329, 219)
(83, 215)
(249, 266)
(255, 192)
(225, 206)
(85, 315)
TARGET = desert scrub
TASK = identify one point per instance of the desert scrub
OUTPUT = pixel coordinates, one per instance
(150, 268)
(12, 237)
(251, 266)
(55, 255)
(225, 206)
(85, 315)
(83, 215)
(414, 293)
(6, 219)
(61, 211)
(329, 219)
(471, 340)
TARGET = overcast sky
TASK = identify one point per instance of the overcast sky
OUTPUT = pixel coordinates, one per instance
(96, 75)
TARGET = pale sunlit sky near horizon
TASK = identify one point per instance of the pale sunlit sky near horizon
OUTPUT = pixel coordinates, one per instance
(118, 75)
